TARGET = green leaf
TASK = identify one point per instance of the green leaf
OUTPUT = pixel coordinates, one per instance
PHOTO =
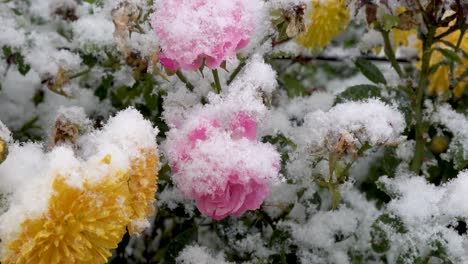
(358, 93)
(179, 243)
(7, 51)
(385, 165)
(440, 252)
(284, 144)
(390, 21)
(16, 58)
(102, 90)
(23, 68)
(459, 155)
(370, 71)
(293, 87)
(379, 238)
(89, 59)
(450, 55)
(409, 255)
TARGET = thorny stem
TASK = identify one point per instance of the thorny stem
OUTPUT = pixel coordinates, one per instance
(422, 85)
(216, 80)
(183, 79)
(389, 52)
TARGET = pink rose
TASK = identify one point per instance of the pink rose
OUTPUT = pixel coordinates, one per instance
(235, 199)
(221, 166)
(191, 32)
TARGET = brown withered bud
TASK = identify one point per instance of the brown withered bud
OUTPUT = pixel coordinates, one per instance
(66, 12)
(136, 61)
(124, 15)
(345, 145)
(64, 132)
(56, 84)
(295, 19)
(371, 13)
(407, 20)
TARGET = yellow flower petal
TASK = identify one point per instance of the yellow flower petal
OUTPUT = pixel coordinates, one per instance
(83, 225)
(327, 20)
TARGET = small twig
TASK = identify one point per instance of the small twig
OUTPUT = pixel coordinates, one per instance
(450, 31)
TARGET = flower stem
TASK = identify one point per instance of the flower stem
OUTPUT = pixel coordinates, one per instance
(389, 52)
(216, 80)
(422, 85)
(236, 72)
(183, 79)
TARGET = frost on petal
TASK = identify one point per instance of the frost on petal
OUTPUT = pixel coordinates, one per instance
(193, 31)
(216, 158)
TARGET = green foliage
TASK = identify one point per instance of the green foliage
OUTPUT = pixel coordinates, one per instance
(284, 144)
(358, 93)
(450, 55)
(459, 155)
(390, 21)
(15, 57)
(188, 234)
(384, 165)
(382, 227)
(370, 71)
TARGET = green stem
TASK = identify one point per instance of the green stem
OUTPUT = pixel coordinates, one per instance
(422, 85)
(236, 72)
(390, 54)
(462, 33)
(216, 79)
(183, 79)
(81, 73)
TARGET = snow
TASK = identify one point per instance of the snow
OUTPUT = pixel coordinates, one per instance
(428, 206)
(370, 121)
(93, 31)
(456, 123)
(197, 254)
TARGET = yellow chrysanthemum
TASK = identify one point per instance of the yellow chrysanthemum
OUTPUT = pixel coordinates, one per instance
(80, 226)
(439, 81)
(142, 186)
(327, 20)
(83, 225)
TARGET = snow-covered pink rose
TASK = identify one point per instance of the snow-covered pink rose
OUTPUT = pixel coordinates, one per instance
(220, 165)
(191, 31)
